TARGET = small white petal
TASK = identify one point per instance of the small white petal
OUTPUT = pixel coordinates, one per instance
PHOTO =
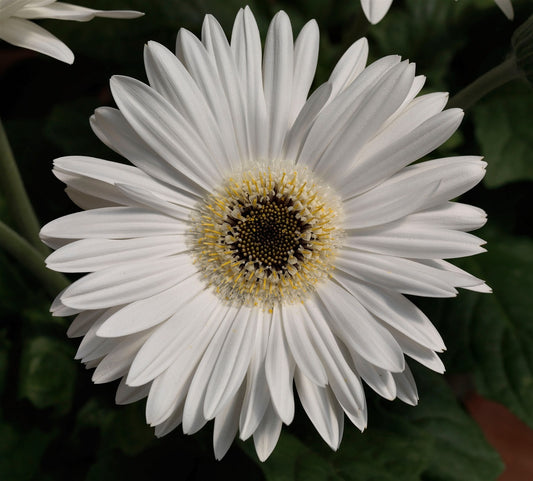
(267, 434)
(380, 380)
(127, 394)
(232, 363)
(117, 362)
(127, 283)
(300, 345)
(67, 11)
(406, 386)
(257, 395)
(279, 368)
(404, 239)
(277, 80)
(26, 34)
(400, 275)
(322, 408)
(375, 10)
(305, 61)
(350, 65)
(506, 7)
(113, 223)
(89, 255)
(226, 425)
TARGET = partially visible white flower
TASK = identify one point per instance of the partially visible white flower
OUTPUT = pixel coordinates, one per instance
(16, 28)
(375, 10)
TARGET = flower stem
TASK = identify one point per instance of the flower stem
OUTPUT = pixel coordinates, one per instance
(494, 78)
(17, 198)
(31, 259)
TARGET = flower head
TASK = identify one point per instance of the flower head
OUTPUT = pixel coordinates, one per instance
(17, 29)
(263, 240)
(375, 10)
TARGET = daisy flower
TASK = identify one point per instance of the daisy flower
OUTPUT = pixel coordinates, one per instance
(17, 29)
(375, 10)
(263, 240)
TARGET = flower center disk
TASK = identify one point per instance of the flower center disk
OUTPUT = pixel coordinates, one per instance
(267, 235)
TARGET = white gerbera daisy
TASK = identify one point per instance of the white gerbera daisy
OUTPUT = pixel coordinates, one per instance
(375, 10)
(17, 29)
(263, 240)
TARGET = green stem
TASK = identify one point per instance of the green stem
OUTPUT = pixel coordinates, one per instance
(17, 198)
(31, 259)
(485, 84)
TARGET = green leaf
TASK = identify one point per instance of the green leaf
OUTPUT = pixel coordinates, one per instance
(503, 129)
(21, 452)
(460, 450)
(501, 327)
(435, 441)
(47, 374)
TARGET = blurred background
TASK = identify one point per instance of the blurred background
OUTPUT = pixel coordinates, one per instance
(56, 425)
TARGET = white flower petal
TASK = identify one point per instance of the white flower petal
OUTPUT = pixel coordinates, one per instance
(404, 239)
(193, 412)
(217, 45)
(267, 434)
(379, 103)
(145, 313)
(89, 255)
(113, 173)
(406, 386)
(450, 215)
(381, 159)
(173, 336)
(338, 112)
(117, 362)
(351, 322)
(400, 275)
(279, 368)
(168, 76)
(277, 79)
(113, 130)
(67, 11)
(343, 381)
(380, 380)
(375, 10)
(419, 353)
(127, 283)
(257, 395)
(165, 130)
(83, 322)
(393, 309)
(91, 342)
(170, 388)
(246, 47)
(127, 394)
(385, 203)
(506, 7)
(322, 408)
(226, 425)
(26, 34)
(305, 61)
(113, 223)
(350, 65)
(300, 345)
(300, 128)
(232, 363)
